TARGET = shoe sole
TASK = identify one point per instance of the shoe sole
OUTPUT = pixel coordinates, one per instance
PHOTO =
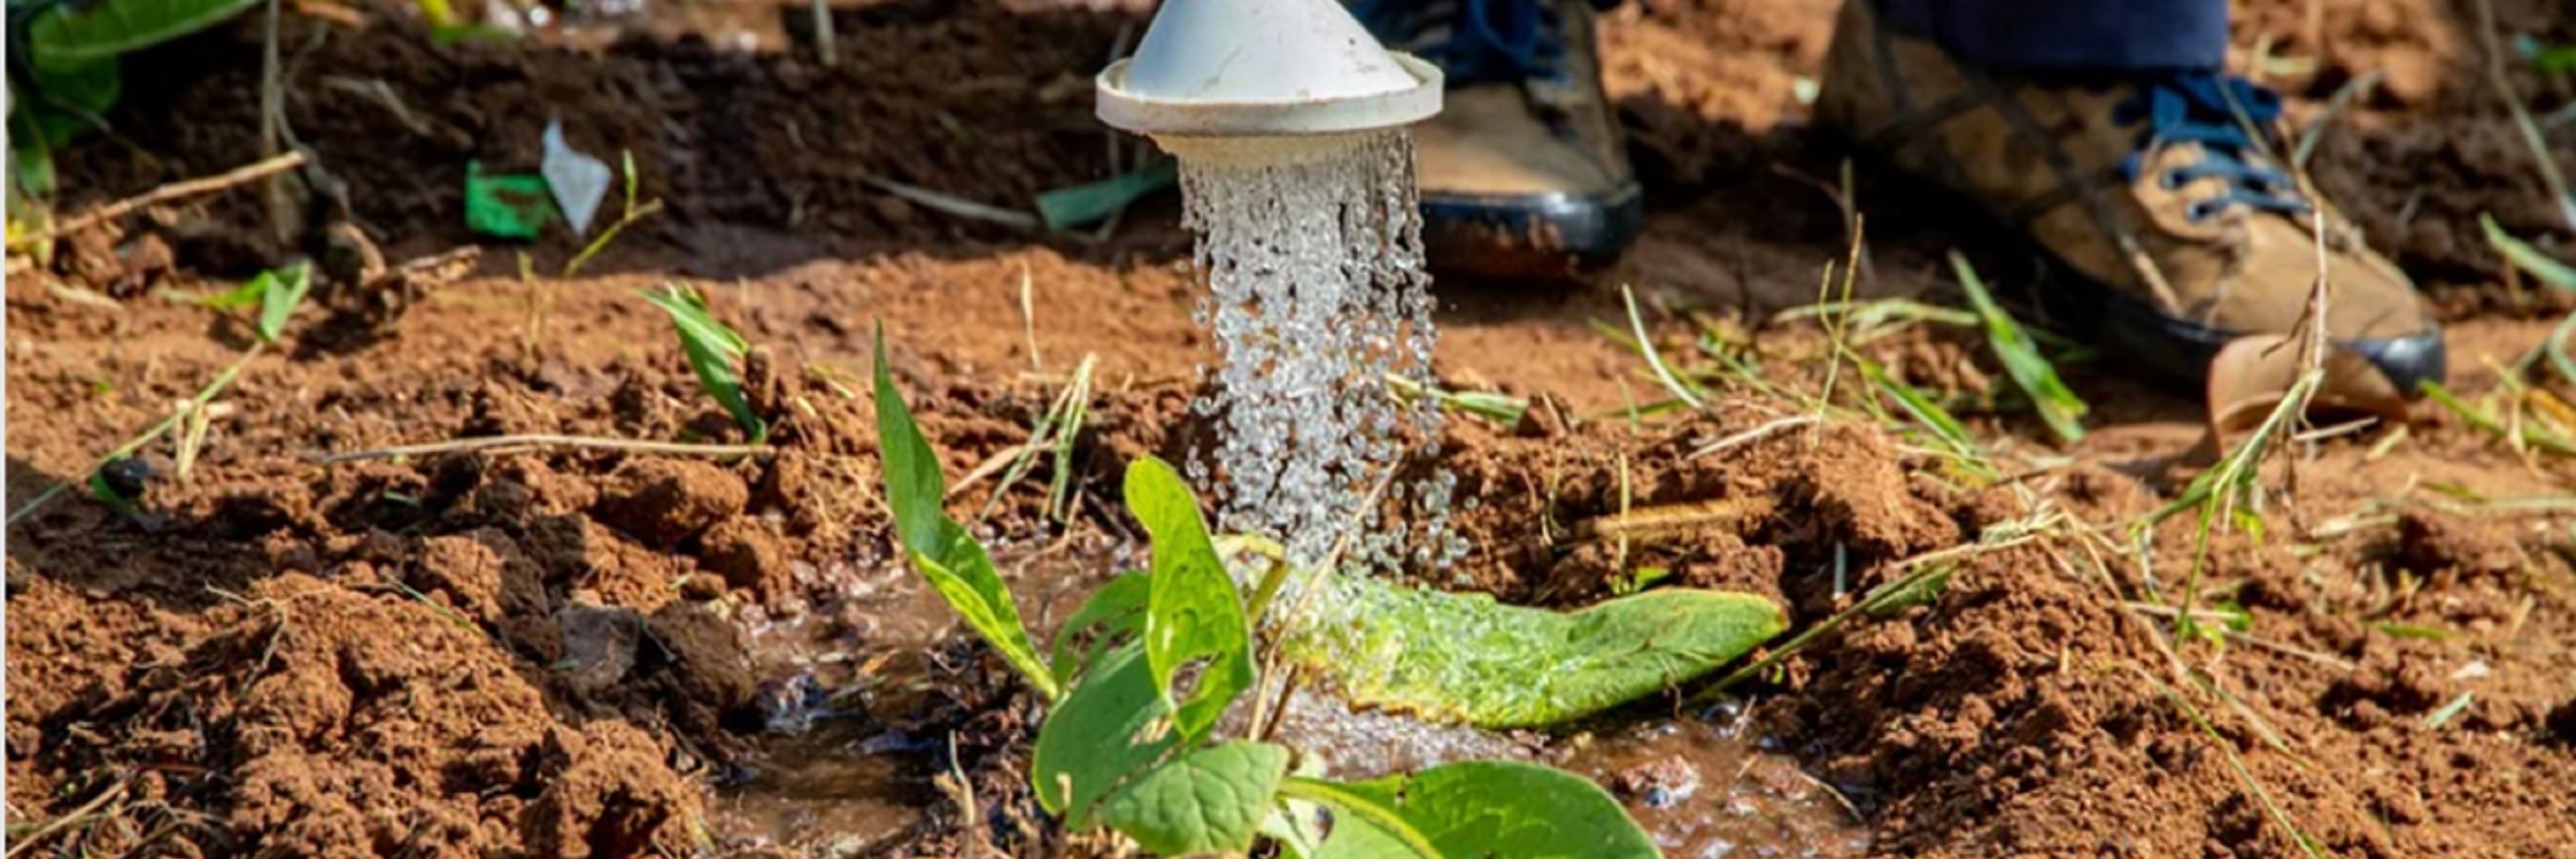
(1530, 237)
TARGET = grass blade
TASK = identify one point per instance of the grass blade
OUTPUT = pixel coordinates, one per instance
(2557, 275)
(2058, 406)
(714, 351)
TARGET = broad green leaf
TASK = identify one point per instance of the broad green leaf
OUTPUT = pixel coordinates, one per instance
(2059, 407)
(1063, 208)
(715, 352)
(1112, 726)
(506, 205)
(89, 88)
(1475, 810)
(1114, 613)
(941, 550)
(1193, 612)
(2552, 273)
(1466, 658)
(1208, 801)
(31, 153)
(281, 291)
(76, 34)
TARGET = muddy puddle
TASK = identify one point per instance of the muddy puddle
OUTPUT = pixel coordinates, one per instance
(828, 777)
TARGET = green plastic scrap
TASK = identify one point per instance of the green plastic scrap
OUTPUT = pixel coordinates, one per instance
(506, 205)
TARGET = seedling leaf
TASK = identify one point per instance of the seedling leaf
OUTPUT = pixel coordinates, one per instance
(281, 292)
(941, 549)
(1193, 612)
(714, 352)
(2058, 406)
(1100, 735)
(1509, 666)
(1471, 810)
(1210, 801)
(2557, 275)
(249, 294)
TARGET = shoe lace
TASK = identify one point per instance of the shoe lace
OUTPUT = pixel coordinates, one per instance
(2204, 108)
(1473, 40)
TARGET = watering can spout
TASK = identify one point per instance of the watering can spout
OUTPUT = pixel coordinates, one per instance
(1263, 68)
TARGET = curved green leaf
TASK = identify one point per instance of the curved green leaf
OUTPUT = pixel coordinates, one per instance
(715, 352)
(2552, 273)
(1208, 801)
(941, 550)
(2058, 406)
(89, 88)
(1193, 612)
(76, 34)
(281, 291)
(1467, 658)
(1473, 810)
(1110, 727)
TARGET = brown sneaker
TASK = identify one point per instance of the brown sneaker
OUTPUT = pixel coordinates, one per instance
(2171, 231)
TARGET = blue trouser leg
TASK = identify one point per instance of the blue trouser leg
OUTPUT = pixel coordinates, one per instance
(2071, 35)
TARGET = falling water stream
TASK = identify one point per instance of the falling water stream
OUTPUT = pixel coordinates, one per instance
(1312, 251)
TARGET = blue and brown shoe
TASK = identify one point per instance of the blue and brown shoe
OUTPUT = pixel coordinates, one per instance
(2173, 232)
(1524, 173)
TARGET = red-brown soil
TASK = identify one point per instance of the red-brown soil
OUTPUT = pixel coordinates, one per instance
(548, 652)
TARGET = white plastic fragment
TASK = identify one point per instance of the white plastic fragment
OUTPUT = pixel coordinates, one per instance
(578, 181)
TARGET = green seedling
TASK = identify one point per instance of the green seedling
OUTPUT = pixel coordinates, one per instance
(1636, 581)
(714, 351)
(1499, 408)
(1140, 674)
(282, 292)
(277, 294)
(2058, 407)
(627, 216)
(2230, 491)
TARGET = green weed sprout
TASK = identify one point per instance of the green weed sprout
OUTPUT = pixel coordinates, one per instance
(715, 352)
(1129, 743)
(2058, 406)
(277, 294)
(632, 213)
